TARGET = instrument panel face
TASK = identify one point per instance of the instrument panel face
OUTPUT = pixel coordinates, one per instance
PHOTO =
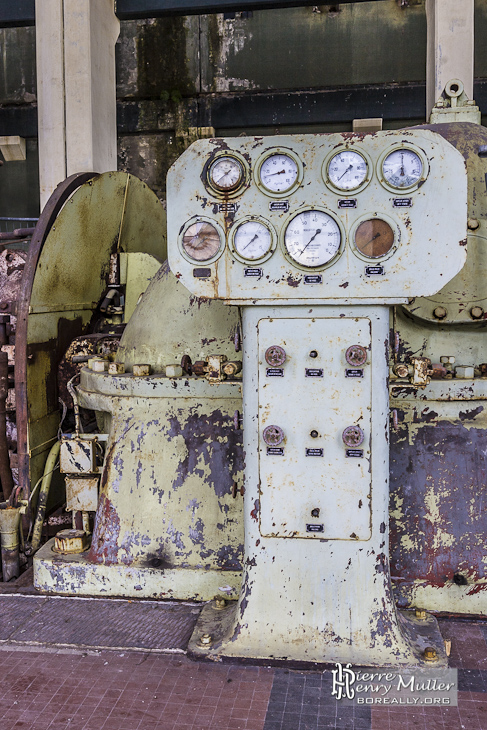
(313, 217)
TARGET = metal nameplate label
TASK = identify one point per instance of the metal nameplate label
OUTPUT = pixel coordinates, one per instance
(313, 372)
(354, 373)
(201, 273)
(274, 372)
(374, 271)
(314, 452)
(402, 202)
(355, 453)
(275, 451)
(227, 208)
(348, 203)
(279, 206)
(315, 528)
(313, 279)
(257, 273)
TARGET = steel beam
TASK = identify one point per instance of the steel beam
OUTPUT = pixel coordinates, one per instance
(133, 9)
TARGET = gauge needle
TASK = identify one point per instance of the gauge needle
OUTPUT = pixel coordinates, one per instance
(271, 174)
(251, 241)
(311, 239)
(371, 240)
(350, 167)
(194, 240)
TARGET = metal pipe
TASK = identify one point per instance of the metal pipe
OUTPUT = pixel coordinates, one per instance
(9, 529)
(72, 392)
(6, 477)
(42, 501)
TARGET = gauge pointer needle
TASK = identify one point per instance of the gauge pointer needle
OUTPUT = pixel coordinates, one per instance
(311, 239)
(372, 239)
(271, 174)
(251, 241)
(350, 167)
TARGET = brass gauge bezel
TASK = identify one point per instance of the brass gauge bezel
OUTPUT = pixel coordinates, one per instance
(233, 232)
(398, 146)
(348, 192)
(270, 153)
(239, 186)
(337, 255)
(393, 224)
(218, 228)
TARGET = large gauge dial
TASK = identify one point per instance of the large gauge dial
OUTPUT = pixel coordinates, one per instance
(226, 173)
(402, 168)
(201, 241)
(312, 238)
(252, 240)
(374, 238)
(347, 170)
(278, 173)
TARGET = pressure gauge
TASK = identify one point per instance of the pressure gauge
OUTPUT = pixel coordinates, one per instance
(403, 168)
(312, 238)
(347, 170)
(201, 241)
(374, 238)
(226, 173)
(278, 173)
(252, 240)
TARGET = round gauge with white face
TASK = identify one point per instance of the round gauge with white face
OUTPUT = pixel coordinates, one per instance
(252, 240)
(201, 241)
(312, 238)
(402, 168)
(226, 173)
(278, 173)
(347, 170)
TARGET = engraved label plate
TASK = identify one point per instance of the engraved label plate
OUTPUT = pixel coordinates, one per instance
(253, 272)
(348, 203)
(374, 271)
(201, 273)
(279, 206)
(315, 528)
(356, 453)
(354, 373)
(313, 279)
(275, 451)
(313, 372)
(274, 372)
(402, 202)
(227, 208)
(314, 452)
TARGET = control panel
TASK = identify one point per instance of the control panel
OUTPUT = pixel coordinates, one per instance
(315, 427)
(338, 217)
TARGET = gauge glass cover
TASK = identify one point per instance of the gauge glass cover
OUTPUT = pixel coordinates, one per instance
(374, 238)
(226, 173)
(402, 168)
(252, 240)
(312, 238)
(347, 170)
(278, 173)
(201, 241)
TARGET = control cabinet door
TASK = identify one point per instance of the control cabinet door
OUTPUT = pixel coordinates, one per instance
(312, 389)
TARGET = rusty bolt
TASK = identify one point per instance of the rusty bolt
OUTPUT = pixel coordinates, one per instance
(439, 312)
(220, 602)
(314, 434)
(447, 359)
(315, 512)
(420, 613)
(401, 370)
(430, 654)
(205, 640)
(313, 353)
(473, 224)
(187, 365)
(275, 356)
(476, 312)
(199, 367)
(141, 370)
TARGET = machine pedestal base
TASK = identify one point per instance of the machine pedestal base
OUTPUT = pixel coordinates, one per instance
(216, 623)
(75, 575)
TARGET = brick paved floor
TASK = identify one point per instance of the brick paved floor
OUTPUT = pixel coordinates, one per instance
(136, 690)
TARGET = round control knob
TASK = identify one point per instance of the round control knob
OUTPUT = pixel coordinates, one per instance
(356, 355)
(275, 356)
(273, 435)
(353, 436)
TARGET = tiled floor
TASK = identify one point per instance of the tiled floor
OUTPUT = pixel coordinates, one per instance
(137, 690)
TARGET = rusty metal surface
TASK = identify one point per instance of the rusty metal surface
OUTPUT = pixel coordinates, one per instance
(96, 623)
